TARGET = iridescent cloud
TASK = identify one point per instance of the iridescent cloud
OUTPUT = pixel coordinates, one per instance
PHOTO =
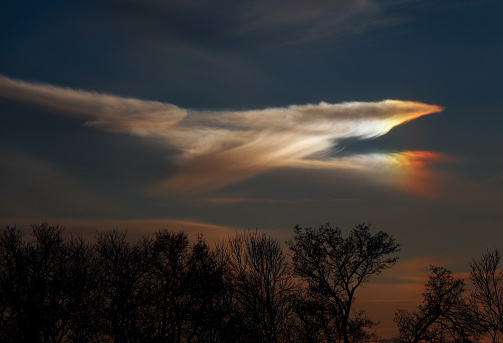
(218, 148)
(410, 170)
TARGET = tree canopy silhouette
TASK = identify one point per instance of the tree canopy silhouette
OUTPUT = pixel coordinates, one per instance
(57, 288)
(45, 286)
(334, 267)
(263, 286)
(443, 314)
(486, 298)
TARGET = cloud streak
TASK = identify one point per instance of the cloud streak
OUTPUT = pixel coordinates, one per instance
(218, 148)
(273, 23)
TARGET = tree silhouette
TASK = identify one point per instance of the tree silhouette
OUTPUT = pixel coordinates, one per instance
(45, 286)
(122, 268)
(211, 314)
(164, 288)
(262, 287)
(334, 268)
(185, 289)
(442, 315)
(487, 295)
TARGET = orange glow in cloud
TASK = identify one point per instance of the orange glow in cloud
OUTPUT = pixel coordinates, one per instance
(411, 171)
(414, 172)
(219, 148)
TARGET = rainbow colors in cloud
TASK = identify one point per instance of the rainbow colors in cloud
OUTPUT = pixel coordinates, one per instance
(219, 148)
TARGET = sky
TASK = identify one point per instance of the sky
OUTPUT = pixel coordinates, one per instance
(214, 117)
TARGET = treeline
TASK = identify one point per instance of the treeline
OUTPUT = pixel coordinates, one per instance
(163, 288)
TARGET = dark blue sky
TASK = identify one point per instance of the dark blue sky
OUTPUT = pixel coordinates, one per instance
(442, 205)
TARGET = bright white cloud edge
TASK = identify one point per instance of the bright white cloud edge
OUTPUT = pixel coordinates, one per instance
(218, 148)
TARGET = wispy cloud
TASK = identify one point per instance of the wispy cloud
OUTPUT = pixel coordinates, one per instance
(230, 201)
(218, 148)
(135, 228)
(277, 23)
(259, 22)
(102, 111)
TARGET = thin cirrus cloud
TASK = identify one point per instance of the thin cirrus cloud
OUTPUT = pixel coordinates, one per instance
(259, 22)
(219, 148)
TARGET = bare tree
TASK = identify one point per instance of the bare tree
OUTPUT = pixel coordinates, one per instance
(45, 286)
(487, 295)
(122, 269)
(14, 295)
(84, 294)
(185, 293)
(334, 268)
(209, 316)
(442, 317)
(263, 287)
(168, 267)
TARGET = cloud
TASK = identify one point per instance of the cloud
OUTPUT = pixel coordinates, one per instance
(410, 170)
(104, 112)
(227, 201)
(141, 227)
(265, 23)
(218, 148)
